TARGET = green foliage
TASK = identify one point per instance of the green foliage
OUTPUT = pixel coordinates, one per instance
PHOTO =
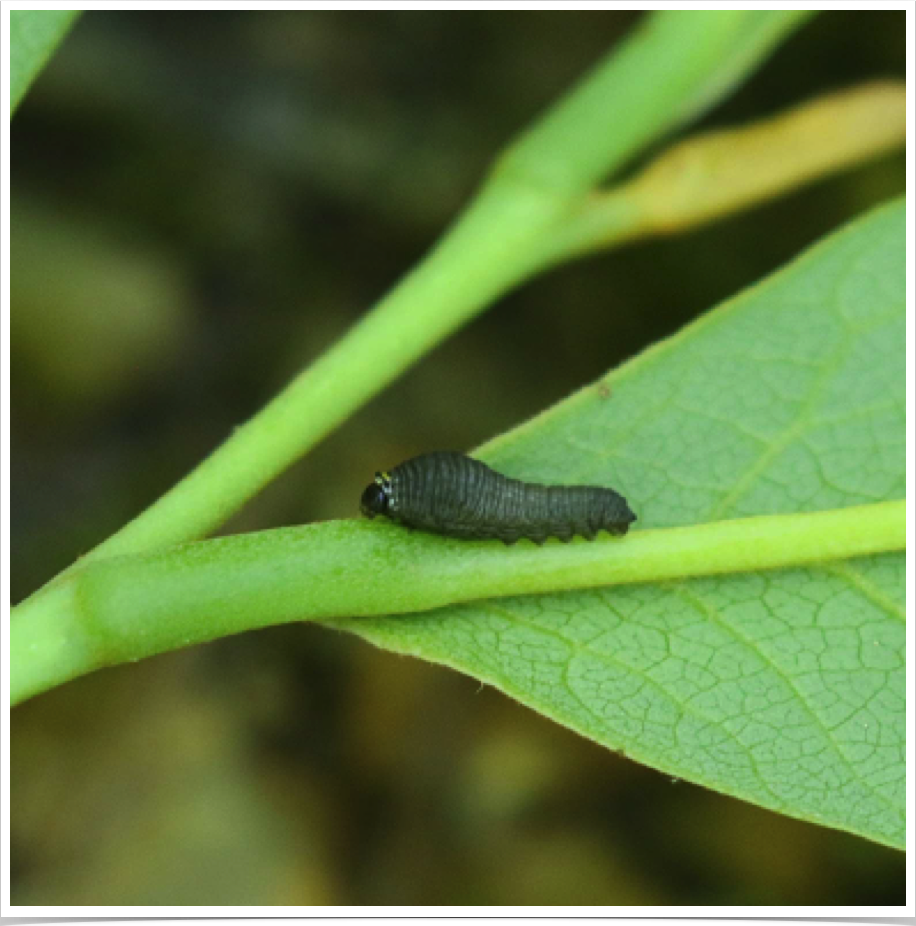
(34, 34)
(784, 688)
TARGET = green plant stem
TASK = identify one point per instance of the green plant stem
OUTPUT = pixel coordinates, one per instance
(634, 95)
(675, 64)
(125, 608)
(487, 251)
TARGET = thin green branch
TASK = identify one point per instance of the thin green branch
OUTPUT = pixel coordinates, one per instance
(676, 66)
(125, 608)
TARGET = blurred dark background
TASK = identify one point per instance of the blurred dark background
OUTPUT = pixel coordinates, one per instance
(202, 203)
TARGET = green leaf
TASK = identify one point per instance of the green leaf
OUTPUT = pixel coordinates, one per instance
(783, 688)
(34, 34)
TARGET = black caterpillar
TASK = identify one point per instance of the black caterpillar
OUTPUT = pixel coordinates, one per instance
(452, 494)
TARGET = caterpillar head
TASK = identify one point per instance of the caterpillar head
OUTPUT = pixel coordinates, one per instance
(377, 496)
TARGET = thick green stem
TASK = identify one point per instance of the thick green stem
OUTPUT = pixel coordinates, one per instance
(125, 608)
